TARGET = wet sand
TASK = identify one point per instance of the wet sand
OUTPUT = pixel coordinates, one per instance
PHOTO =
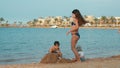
(110, 62)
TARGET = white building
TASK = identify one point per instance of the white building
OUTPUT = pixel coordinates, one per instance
(90, 19)
(117, 19)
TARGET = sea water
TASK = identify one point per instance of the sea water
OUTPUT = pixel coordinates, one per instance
(28, 45)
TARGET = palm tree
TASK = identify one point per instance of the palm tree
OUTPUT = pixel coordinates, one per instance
(40, 22)
(29, 23)
(103, 20)
(113, 20)
(35, 20)
(33, 23)
(65, 17)
(68, 19)
(15, 24)
(1, 20)
(119, 21)
(47, 22)
(20, 23)
(96, 21)
(61, 20)
(56, 20)
(6, 24)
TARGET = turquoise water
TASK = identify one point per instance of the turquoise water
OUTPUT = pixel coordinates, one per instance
(27, 45)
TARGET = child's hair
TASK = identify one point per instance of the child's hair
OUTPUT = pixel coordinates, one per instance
(79, 48)
(56, 42)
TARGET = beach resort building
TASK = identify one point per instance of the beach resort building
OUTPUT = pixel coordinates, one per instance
(90, 19)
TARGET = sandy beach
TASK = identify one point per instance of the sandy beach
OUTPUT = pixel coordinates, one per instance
(110, 62)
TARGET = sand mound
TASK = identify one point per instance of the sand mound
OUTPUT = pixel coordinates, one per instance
(53, 58)
(116, 56)
(50, 58)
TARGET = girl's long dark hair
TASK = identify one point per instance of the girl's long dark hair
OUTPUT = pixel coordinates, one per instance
(78, 15)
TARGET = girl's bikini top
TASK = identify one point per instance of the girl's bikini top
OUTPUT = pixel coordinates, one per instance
(73, 24)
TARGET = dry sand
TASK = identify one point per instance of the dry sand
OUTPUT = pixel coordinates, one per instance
(110, 62)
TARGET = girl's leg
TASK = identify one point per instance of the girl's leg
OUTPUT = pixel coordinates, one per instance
(73, 47)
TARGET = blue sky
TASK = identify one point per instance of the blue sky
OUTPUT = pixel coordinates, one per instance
(25, 10)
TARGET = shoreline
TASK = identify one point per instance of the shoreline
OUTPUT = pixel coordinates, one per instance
(109, 62)
(69, 27)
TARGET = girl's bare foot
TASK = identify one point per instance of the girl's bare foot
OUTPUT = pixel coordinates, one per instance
(74, 59)
(78, 60)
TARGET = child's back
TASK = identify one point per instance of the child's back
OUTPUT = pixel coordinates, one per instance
(55, 49)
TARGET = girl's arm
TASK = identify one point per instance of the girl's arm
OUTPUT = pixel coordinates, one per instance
(73, 28)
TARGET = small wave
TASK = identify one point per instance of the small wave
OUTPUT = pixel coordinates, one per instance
(14, 60)
(22, 43)
(8, 60)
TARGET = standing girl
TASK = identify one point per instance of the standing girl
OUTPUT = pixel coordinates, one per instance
(78, 21)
